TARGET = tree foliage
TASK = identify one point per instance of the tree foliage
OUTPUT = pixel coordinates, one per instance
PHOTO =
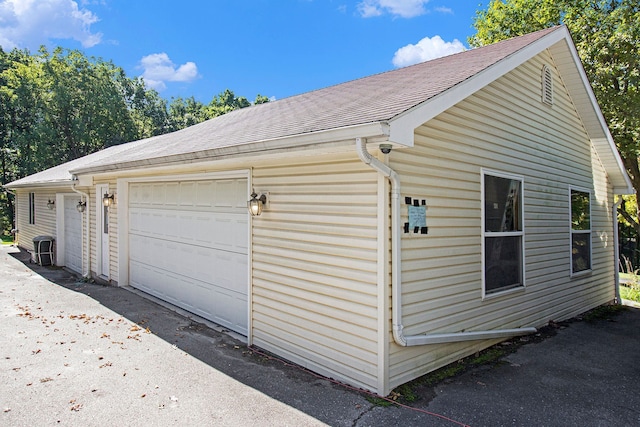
(60, 105)
(607, 36)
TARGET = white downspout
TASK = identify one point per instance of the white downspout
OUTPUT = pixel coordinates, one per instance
(616, 250)
(87, 226)
(396, 281)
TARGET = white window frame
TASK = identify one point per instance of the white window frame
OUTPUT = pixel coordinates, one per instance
(488, 234)
(572, 232)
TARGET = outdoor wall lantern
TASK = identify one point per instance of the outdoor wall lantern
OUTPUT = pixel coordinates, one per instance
(108, 199)
(51, 204)
(81, 206)
(256, 203)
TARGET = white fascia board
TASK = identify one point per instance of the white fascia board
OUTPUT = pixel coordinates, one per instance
(289, 143)
(402, 126)
(42, 184)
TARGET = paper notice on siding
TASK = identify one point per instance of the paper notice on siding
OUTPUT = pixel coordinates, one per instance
(417, 216)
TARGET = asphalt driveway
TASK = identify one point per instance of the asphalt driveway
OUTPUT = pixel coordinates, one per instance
(75, 353)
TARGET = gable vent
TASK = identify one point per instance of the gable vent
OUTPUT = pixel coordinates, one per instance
(547, 86)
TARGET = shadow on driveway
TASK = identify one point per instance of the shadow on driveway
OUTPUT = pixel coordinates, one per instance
(280, 380)
(583, 373)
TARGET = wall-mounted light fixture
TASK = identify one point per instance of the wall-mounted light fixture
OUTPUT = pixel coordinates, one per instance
(256, 204)
(108, 199)
(50, 204)
(81, 206)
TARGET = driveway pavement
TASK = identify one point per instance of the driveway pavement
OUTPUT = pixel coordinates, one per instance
(75, 353)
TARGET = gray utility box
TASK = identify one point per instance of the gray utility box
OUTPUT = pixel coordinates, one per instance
(43, 250)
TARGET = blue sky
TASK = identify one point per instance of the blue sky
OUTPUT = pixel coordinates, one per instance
(276, 48)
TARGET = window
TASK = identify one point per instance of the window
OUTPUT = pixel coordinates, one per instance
(503, 232)
(32, 208)
(580, 231)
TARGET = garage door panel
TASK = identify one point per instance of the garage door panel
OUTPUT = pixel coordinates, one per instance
(224, 269)
(188, 245)
(214, 229)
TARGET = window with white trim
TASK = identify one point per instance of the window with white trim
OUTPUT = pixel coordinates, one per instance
(580, 230)
(32, 208)
(502, 232)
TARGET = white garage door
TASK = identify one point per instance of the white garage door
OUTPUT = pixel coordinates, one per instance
(188, 245)
(72, 234)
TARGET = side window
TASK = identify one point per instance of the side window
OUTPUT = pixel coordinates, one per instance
(580, 230)
(32, 208)
(502, 232)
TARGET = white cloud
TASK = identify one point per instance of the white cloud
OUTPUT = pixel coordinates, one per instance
(31, 23)
(444, 9)
(426, 49)
(158, 69)
(402, 8)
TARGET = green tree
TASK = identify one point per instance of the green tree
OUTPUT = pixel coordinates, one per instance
(225, 102)
(607, 36)
(147, 108)
(186, 112)
(85, 109)
(60, 105)
(260, 99)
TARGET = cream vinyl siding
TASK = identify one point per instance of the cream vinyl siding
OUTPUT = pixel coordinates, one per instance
(314, 268)
(506, 128)
(45, 219)
(113, 230)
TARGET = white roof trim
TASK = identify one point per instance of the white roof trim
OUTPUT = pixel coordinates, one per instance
(43, 184)
(403, 126)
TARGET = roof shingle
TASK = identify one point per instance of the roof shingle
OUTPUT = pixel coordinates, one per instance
(376, 98)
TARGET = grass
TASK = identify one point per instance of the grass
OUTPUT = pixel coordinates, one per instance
(631, 293)
(6, 240)
(628, 276)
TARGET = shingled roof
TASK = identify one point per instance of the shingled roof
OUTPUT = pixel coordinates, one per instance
(365, 107)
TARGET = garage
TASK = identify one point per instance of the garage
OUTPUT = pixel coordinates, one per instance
(188, 245)
(72, 234)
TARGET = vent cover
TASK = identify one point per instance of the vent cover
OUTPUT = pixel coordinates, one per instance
(547, 86)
